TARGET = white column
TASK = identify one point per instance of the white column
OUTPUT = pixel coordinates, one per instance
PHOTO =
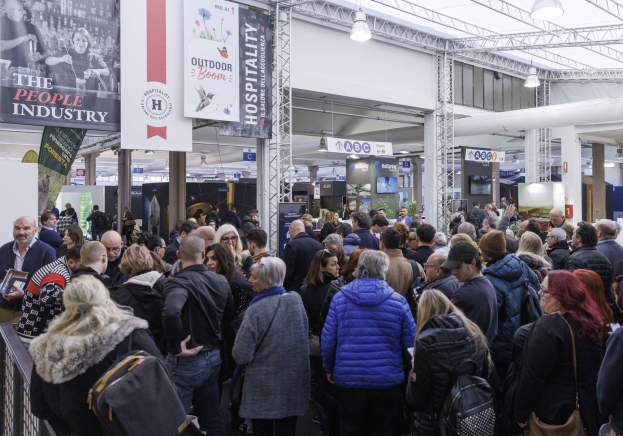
(571, 152)
(429, 183)
(263, 183)
(532, 156)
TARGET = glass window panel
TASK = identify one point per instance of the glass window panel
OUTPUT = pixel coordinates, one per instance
(498, 92)
(508, 92)
(458, 83)
(516, 103)
(488, 84)
(479, 94)
(468, 85)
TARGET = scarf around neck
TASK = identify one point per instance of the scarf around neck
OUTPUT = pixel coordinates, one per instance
(269, 292)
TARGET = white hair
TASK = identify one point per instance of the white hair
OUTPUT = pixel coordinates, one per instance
(270, 271)
(225, 229)
(373, 264)
(441, 240)
(559, 233)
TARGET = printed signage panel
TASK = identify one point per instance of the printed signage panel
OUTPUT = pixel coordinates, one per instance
(360, 148)
(211, 63)
(60, 64)
(153, 91)
(484, 155)
(256, 58)
(249, 157)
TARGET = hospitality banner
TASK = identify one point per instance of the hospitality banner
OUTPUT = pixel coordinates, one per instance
(59, 147)
(153, 88)
(63, 64)
(211, 64)
(256, 58)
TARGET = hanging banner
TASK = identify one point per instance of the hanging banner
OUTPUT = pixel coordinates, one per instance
(211, 64)
(360, 148)
(484, 155)
(256, 58)
(59, 147)
(153, 102)
(63, 64)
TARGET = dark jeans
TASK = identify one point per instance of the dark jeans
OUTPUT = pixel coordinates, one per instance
(367, 411)
(276, 427)
(96, 235)
(197, 379)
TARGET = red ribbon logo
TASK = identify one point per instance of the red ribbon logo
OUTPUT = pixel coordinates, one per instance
(156, 131)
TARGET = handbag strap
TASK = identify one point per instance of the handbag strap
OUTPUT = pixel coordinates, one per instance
(270, 324)
(575, 364)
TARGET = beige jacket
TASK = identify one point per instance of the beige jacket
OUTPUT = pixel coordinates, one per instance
(400, 272)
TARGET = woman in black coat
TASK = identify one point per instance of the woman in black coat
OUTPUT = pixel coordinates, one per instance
(309, 228)
(547, 386)
(143, 292)
(445, 338)
(78, 348)
(330, 221)
(323, 270)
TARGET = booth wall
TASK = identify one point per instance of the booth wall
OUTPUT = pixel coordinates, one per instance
(18, 193)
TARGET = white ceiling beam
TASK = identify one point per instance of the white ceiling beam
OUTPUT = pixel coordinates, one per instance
(523, 15)
(610, 6)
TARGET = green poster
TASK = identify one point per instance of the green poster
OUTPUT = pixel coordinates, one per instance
(59, 147)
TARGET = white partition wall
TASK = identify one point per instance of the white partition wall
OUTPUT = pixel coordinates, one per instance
(18, 195)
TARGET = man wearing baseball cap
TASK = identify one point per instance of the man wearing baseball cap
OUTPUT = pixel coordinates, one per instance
(476, 297)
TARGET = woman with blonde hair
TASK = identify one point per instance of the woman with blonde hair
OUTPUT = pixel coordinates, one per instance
(309, 227)
(228, 236)
(445, 338)
(531, 251)
(330, 222)
(78, 348)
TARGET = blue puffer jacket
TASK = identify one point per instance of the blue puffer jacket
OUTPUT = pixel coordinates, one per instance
(366, 336)
(351, 243)
(506, 277)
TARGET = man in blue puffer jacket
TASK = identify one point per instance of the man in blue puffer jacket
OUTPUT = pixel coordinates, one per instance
(365, 343)
(506, 273)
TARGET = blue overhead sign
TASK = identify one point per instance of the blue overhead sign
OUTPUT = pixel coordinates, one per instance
(249, 157)
(406, 164)
(137, 170)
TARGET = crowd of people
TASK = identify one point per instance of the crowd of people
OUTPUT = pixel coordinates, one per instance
(371, 325)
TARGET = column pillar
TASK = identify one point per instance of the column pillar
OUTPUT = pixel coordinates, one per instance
(417, 163)
(532, 156)
(177, 187)
(571, 152)
(263, 183)
(430, 184)
(495, 168)
(599, 183)
(91, 168)
(313, 173)
(124, 190)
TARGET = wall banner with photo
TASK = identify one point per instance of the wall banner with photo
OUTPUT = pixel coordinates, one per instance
(60, 64)
(211, 64)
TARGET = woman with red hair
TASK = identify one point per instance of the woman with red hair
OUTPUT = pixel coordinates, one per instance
(595, 288)
(547, 386)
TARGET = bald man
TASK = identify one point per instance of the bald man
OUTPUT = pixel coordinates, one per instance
(114, 252)
(25, 253)
(608, 246)
(557, 219)
(298, 255)
(207, 233)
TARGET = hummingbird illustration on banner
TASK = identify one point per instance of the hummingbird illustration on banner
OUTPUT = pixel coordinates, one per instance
(223, 52)
(206, 99)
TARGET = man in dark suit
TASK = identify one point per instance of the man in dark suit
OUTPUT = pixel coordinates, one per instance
(24, 253)
(298, 256)
(170, 254)
(48, 233)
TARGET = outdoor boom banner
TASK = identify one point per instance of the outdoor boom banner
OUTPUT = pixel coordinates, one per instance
(211, 63)
(60, 64)
(153, 88)
(59, 147)
(256, 58)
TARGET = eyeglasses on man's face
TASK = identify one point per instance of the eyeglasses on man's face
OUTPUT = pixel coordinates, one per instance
(113, 249)
(430, 265)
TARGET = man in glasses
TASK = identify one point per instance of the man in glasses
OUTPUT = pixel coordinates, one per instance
(114, 252)
(439, 278)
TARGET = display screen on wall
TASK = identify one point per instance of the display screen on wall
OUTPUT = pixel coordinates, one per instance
(386, 185)
(479, 185)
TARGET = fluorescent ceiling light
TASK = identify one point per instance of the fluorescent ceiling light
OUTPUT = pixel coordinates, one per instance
(515, 159)
(609, 165)
(533, 80)
(403, 151)
(545, 10)
(353, 156)
(323, 144)
(360, 31)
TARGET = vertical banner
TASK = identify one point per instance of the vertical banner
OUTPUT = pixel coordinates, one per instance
(153, 88)
(59, 147)
(211, 65)
(60, 63)
(256, 58)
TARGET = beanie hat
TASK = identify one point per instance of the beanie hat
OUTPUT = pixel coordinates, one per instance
(493, 244)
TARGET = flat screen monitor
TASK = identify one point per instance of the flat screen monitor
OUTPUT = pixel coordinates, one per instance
(479, 185)
(386, 185)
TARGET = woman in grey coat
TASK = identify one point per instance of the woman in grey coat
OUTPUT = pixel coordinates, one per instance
(273, 341)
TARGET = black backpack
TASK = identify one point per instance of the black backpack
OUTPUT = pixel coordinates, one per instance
(531, 309)
(475, 219)
(101, 221)
(137, 397)
(469, 407)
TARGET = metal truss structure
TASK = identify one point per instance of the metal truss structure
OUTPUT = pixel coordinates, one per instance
(544, 136)
(610, 6)
(444, 136)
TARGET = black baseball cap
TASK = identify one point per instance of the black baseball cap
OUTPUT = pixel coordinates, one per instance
(459, 254)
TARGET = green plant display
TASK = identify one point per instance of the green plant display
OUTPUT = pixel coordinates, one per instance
(412, 209)
(383, 203)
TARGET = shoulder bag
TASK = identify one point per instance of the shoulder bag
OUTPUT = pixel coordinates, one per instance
(573, 426)
(237, 381)
(313, 340)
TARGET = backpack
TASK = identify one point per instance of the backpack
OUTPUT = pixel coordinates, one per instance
(475, 219)
(469, 407)
(101, 221)
(137, 397)
(531, 309)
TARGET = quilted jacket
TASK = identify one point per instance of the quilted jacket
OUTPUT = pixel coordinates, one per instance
(506, 276)
(366, 336)
(590, 258)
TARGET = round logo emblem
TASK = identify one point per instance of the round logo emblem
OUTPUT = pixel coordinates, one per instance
(357, 147)
(366, 147)
(348, 146)
(156, 104)
(477, 155)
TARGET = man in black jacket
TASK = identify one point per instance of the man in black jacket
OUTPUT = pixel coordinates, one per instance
(170, 254)
(558, 247)
(298, 256)
(606, 244)
(425, 235)
(476, 215)
(196, 301)
(361, 226)
(94, 262)
(114, 251)
(439, 278)
(586, 256)
(99, 223)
